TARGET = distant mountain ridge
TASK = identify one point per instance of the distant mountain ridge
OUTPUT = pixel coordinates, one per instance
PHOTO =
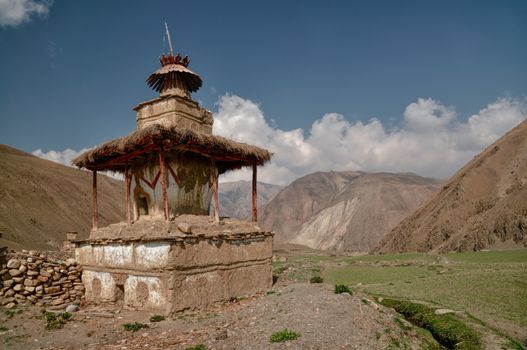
(40, 200)
(484, 205)
(236, 197)
(347, 211)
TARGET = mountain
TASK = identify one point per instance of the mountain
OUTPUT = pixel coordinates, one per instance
(484, 205)
(41, 200)
(344, 211)
(236, 197)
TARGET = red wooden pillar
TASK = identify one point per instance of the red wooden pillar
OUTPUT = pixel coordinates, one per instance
(127, 194)
(162, 171)
(255, 213)
(95, 213)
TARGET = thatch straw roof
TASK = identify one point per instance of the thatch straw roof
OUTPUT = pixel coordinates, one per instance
(167, 76)
(137, 149)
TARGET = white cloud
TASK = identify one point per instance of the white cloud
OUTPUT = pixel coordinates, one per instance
(15, 12)
(66, 156)
(431, 139)
(62, 157)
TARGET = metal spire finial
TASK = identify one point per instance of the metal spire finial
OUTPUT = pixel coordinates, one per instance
(169, 40)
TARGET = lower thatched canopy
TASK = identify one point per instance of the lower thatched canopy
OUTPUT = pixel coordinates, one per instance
(137, 148)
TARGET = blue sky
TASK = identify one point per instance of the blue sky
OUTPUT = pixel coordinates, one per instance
(71, 73)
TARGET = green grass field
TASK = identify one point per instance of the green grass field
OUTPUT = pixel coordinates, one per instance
(490, 286)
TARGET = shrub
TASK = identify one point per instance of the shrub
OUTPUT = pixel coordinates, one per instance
(283, 335)
(448, 329)
(157, 318)
(316, 279)
(134, 327)
(342, 288)
(54, 321)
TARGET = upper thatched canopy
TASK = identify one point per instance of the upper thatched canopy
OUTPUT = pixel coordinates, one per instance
(174, 72)
(137, 148)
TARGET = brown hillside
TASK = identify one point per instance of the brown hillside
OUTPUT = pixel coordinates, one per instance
(344, 211)
(41, 200)
(484, 205)
(236, 197)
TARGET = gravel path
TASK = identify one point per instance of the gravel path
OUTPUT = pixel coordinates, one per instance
(323, 319)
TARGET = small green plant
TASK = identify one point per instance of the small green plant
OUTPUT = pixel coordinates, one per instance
(283, 335)
(134, 327)
(197, 347)
(270, 292)
(316, 279)
(10, 313)
(342, 288)
(157, 318)
(3, 329)
(54, 321)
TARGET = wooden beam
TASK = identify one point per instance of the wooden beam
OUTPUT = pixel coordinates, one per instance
(216, 200)
(162, 171)
(127, 194)
(95, 213)
(255, 213)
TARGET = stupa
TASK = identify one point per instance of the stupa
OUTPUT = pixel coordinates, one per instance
(170, 253)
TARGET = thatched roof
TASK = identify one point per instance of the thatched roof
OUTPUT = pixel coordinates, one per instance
(137, 149)
(167, 76)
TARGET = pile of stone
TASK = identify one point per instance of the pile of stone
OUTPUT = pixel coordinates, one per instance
(41, 278)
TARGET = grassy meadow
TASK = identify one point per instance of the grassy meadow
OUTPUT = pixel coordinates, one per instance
(488, 287)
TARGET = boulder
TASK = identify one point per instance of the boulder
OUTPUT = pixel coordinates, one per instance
(13, 264)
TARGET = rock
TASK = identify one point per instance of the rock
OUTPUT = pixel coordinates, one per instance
(43, 279)
(18, 279)
(7, 301)
(443, 311)
(57, 302)
(28, 282)
(30, 289)
(23, 268)
(13, 264)
(9, 293)
(9, 283)
(185, 228)
(18, 287)
(15, 272)
(71, 308)
(50, 290)
(71, 262)
(10, 305)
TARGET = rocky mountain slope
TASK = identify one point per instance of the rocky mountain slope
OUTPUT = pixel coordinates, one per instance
(484, 205)
(41, 200)
(236, 197)
(344, 211)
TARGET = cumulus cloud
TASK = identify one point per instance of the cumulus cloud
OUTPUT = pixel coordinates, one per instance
(431, 140)
(15, 12)
(66, 156)
(62, 157)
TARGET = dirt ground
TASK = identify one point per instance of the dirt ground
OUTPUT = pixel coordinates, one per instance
(323, 319)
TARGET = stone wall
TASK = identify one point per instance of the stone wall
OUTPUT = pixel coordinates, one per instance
(173, 274)
(40, 278)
